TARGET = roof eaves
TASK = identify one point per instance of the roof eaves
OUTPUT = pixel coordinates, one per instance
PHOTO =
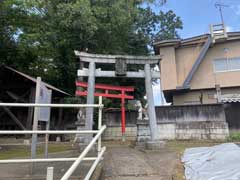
(170, 42)
(34, 80)
(192, 40)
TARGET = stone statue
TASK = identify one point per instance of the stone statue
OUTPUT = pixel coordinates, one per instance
(142, 111)
(81, 116)
(80, 123)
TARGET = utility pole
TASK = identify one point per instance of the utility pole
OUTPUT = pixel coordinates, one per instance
(220, 6)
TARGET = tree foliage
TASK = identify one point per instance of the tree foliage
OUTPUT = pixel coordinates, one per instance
(38, 37)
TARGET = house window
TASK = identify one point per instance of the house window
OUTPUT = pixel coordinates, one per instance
(235, 63)
(230, 64)
(211, 96)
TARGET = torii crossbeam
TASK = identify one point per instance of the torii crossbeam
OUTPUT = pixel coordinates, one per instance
(106, 88)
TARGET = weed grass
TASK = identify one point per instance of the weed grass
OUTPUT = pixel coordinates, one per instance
(234, 137)
(10, 152)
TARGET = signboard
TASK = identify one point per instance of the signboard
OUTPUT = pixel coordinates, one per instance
(44, 98)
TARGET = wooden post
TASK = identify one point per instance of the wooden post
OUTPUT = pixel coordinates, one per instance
(47, 128)
(35, 119)
(60, 117)
(50, 171)
(30, 111)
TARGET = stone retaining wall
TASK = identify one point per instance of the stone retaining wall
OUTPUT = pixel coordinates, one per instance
(115, 133)
(173, 122)
(184, 130)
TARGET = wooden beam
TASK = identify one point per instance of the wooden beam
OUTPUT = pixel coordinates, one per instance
(16, 97)
(15, 86)
(60, 117)
(13, 117)
(30, 109)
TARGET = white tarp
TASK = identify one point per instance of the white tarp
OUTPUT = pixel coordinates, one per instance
(45, 98)
(221, 162)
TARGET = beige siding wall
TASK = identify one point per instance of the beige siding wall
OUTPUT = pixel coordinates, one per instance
(208, 96)
(205, 77)
(168, 68)
(177, 62)
(185, 58)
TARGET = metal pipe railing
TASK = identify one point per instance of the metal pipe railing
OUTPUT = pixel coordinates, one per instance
(83, 154)
(50, 105)
(44, 160)
(99, 124)
(50, 132)
(77, 160)
(94, 165)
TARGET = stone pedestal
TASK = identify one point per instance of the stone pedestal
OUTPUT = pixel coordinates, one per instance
(143, 131)
(80, 138)
(155, 145)
(144, 140)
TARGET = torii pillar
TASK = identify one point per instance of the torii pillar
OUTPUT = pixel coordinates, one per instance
(150, 100)
(90, 97)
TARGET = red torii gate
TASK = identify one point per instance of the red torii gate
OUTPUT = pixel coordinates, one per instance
(106, 94)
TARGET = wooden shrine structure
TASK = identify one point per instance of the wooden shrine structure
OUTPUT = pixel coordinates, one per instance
(18, 87)
(121, 70)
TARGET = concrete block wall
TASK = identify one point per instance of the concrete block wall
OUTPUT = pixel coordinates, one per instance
(185, 130)
(115, 133)
(174, 122)
(113, 121)
(202, 130)
(167, 131)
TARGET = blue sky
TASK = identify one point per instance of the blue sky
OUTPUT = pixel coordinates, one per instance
(197, 15)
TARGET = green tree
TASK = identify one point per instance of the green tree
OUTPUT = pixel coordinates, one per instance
(39, 37)
(169, 24)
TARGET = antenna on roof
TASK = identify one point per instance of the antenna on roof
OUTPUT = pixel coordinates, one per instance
(220, 6)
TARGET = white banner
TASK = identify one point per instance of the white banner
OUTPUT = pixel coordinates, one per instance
(45, 98)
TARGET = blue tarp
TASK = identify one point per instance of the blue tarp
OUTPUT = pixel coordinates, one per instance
(221, 162)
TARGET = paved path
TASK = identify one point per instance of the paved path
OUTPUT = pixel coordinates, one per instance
(126, 163)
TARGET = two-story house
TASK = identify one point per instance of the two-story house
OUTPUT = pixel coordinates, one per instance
(200, 70)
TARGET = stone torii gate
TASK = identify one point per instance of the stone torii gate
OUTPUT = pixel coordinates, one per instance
(121, 62)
